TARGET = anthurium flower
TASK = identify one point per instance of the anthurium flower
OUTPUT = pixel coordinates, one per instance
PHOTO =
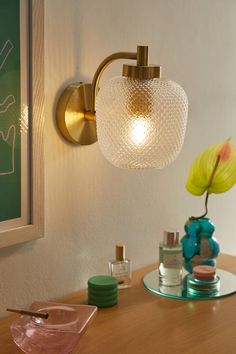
(214, 170)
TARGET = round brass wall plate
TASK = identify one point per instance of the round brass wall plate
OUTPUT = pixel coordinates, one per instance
(74, 119)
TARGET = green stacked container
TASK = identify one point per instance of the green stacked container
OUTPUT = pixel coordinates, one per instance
(102, 291)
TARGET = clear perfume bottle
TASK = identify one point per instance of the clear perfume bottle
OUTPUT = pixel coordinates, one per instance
(171, 259)
(120, 268)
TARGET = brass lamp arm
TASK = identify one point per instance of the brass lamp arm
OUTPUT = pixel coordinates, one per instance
(104, 64)
(75, 112)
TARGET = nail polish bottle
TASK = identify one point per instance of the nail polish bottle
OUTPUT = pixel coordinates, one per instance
(171, 259)
(120, 268)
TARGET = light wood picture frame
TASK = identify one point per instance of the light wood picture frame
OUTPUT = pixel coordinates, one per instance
(34, 227)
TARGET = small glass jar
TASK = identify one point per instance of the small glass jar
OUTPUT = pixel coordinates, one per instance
(203, 281)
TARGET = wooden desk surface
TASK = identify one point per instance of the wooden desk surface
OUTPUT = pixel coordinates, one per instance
(146, 324)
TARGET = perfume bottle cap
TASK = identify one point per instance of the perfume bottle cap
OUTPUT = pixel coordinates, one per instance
(171, 238)
(120, 252)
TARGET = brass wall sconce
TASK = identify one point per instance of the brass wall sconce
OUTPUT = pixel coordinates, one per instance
(140, 118)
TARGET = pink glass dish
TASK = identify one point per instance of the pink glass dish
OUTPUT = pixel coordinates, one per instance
(59, 334)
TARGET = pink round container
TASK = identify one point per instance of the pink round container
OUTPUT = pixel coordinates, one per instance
(204, 272)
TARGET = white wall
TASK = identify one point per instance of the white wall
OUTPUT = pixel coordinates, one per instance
(89, 204)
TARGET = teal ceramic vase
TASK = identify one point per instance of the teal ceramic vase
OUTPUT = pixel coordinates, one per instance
(199, 244)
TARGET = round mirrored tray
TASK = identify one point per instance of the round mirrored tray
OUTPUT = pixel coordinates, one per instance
(227, 286)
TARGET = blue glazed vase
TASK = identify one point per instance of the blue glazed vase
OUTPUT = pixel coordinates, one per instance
(199, 245)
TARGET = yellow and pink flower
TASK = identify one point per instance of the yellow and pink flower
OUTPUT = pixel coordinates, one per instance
(214, 170)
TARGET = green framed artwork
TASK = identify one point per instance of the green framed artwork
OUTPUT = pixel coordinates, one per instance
(10, 111)
(21, 121)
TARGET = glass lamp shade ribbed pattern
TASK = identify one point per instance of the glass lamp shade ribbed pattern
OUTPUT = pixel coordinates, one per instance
(141, 123)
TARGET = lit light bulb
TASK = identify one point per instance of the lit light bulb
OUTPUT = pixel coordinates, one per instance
(139, 131)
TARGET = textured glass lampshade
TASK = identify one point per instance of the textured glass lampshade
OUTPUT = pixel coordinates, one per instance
(141, 123)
